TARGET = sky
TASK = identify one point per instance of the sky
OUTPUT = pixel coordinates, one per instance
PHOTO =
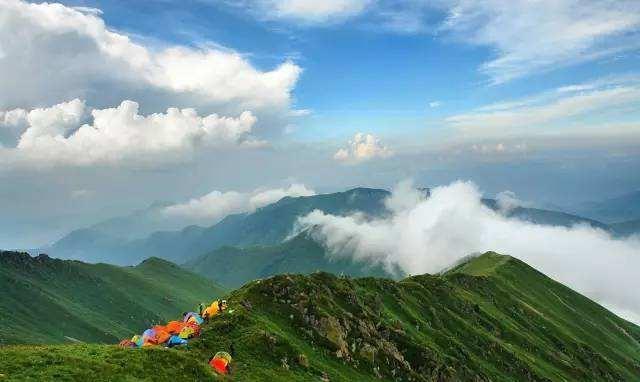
(107, 106)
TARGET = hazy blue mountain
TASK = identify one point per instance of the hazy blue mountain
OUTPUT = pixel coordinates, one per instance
(619, 209)
(269, 225)
(631, 227)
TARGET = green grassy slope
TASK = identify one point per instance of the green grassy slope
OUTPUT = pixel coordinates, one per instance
(233, 267)
(492, 318)
(44, 300)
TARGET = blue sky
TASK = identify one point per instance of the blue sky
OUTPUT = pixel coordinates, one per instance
(357, 75)
(107, 106)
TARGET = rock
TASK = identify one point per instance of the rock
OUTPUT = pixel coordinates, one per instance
(331, 329)
(368, 352)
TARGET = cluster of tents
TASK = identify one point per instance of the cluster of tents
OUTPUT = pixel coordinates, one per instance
(176, 333)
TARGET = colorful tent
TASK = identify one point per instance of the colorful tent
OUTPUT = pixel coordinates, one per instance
(220, 362)
(176, 341)
(172, 334)
(137, 340)
(162, 335)
(174, 327)
(187, 332)
(193, 317)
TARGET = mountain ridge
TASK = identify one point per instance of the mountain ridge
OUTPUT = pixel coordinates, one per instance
(490, 318)
(268, 225)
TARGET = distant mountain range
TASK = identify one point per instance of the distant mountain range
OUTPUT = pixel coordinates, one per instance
(46, 300)
(491, 318)
(266, 226)
(614, 210)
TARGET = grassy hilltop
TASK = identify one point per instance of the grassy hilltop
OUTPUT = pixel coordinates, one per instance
(490, 318)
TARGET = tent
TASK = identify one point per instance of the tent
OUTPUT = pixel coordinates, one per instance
(220, 362)
(187, 332)
(176, 341)
(193, 317)
(162, 335)
(174, 327)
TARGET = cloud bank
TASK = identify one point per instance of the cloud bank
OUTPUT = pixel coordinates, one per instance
(552, 107)
(427, 235)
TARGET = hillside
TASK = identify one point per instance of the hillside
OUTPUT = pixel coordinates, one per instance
(45, 300)
(266, 226)
(490, 318)
(232, 267)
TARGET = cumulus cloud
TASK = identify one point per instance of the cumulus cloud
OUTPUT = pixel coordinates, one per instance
(363, 147)
(52, 53)
(425, 235)
(121, 135)
(215, 205)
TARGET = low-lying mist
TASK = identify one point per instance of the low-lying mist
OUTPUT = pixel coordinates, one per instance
(425, 235)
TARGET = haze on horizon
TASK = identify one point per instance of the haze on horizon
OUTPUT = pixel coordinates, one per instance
(107, 107)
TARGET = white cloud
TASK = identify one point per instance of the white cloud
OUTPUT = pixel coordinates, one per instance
(434, 104)
(507, 201)
(308, 11)
(535, 36)
(427, 235)
(363, 147)
(53, 53)
(563, 103)
(214, 206)
(53, 136)
(263, 198)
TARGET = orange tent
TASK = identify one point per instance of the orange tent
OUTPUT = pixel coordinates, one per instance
(220, 362)
(175, 327)
(162, 335)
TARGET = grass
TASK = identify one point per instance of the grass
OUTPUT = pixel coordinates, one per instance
(491, 318)
(44, 300)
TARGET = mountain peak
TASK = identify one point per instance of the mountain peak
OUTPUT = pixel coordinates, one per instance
(483, 265)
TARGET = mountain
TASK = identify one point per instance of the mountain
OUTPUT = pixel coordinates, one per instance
(627, 228)
(622, 208)
(232, 266)
(269, 225)
(45, 300)
(546, 217)
(491, 318)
